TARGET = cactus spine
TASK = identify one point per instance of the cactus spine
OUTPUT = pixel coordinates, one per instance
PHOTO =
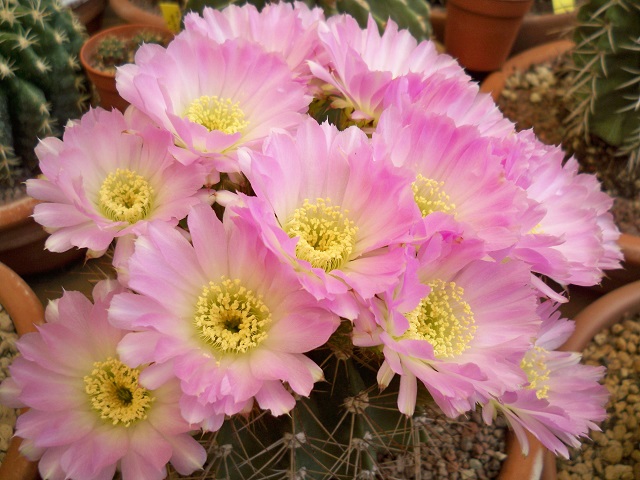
(607, 83)
(346, 429)
(41, 85)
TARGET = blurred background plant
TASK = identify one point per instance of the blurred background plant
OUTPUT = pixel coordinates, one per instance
(41, 83)
(606, 90)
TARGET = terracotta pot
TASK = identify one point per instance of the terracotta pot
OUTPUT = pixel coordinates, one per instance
(131, 13)
(26, 312)
(22, 241)
(494, 83)
(104, 82)
(480, 33)
(536, 28)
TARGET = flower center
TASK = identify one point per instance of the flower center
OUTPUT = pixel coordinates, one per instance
(125, 196)
(115, 394)
(430, 197)
(443, 319)
(327, 236)
(535, 366)
(230, 317)
(215, 113)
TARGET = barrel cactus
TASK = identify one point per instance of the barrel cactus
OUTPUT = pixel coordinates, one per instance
(607, 82)
(412, 15)
(41, 83)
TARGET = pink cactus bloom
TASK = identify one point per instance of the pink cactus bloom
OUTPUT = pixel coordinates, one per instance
(454, 172)
(289, 30)
(224, 315)
(106, 178)
(88, 415)
(363, 63)
(331, 210)
(573, 239)
(562, 399)
(213, 97)
(457, 324)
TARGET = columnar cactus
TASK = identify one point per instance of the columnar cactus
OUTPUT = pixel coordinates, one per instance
(607, 57)
(41, 85)
(412, 15)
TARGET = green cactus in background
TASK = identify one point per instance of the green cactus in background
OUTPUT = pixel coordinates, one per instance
(412, 15)
(41, 84)
(114, 50)
(607, 82)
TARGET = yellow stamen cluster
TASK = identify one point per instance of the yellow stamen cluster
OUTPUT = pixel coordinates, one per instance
(215, 113)
(535, 366)
(430, 197)
(444, 319)
(125, 196)
(115, 394)
(327, 236)
(230, 317)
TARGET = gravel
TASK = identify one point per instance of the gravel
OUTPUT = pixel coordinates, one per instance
(614, 453)
(8, 350)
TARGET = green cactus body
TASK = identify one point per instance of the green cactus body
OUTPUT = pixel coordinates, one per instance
(607, 57)
(41, 84)
(346, 429)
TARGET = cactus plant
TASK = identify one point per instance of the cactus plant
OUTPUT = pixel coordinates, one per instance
(412, 15)
(607, 82)
(114, 50)
(348, 429)
(41, 85)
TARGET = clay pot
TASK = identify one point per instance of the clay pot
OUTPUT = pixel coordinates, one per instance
(131, 13)
(536, 28)
(22, 241)
(26, 312)
(105, 82)
(480, 33)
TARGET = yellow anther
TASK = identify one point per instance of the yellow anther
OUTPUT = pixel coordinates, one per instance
(230, 317)
(444, 319)
(535, 366)
(115, 394)
(326, 235)
(125, 196)
(215, 113)
(430, 196)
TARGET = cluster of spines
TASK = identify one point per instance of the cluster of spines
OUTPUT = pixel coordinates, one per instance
(607, 80)
(41, 84)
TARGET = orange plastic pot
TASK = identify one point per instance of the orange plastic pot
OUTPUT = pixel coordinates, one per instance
(480, 33)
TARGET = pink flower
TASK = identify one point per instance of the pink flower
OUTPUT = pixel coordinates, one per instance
(332, 211)
(457, 324)
(108, 178)
(455, 172)
(453, 96)
(573, 239)
(286, 29)
(88, 415)
(224, 315)
(213, 97)
(562, 398)
(363, 63)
